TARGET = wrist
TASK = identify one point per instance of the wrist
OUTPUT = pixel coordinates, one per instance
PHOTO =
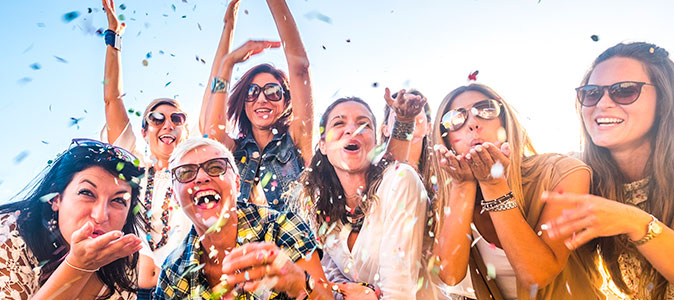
(405, 119)
(638, 227)
(463, 185)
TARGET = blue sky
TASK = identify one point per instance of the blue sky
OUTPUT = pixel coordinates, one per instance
(532, 53)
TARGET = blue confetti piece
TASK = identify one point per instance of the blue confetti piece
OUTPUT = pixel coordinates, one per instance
(21, 156)
(167, 84)
(59, 59)
(122, 6)
(68, 17)
(24, 80)
(35, 66)
(148, 55)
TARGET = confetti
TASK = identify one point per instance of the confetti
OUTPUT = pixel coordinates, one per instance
(173, 6)
(497, 170)
(167, 84)
(75, 121)
(651, 50)
(122, 6)
(473, 76)
(41, 24)
(28, 49)
(265, 179)
(145, 63)
(24, 80)
(35, 66)
(148, 55)
(501, 135)
(137, 208)
(317, 15)
(48, 197)
(68, 17)
(61, 60)
(348, 40)
(21, 156)
(89, 10)
(245, 11)
(594, 37)
(533, 290)
(323, 47)
(121, 17)
(491, 271)
(120, 166)
(375, 84)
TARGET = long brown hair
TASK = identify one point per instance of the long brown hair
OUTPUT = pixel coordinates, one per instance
(516, 136)
(608, 179)
(322, 199)
(236, 105)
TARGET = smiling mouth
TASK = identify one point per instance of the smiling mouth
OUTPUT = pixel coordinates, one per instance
(608, 121)
(206, 199)
(352, 147)
(167, 139)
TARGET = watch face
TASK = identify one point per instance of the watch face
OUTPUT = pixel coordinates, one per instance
(656, 228)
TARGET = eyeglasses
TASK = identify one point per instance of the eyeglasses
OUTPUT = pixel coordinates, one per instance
(99, 147)
(157, 119)
(213, 167)
(271, 91)
(623, 93)
(486, 109)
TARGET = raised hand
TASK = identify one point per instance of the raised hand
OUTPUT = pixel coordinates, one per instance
(113, 21)
(250, 48)
(483, 157)
(262, 265)
(232, 11)
(92, 253)
(406, 106)
(593, 216)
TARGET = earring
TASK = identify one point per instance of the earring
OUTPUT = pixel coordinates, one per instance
(52, 224)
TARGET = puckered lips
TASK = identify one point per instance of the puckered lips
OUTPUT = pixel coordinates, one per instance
(97, 232)
(206, 199)
(167, 139)
(476, 142)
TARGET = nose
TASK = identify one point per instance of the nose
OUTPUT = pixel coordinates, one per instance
(605, 101)
(202, 177)
(99, 213)
(168, 124)
(472, 123)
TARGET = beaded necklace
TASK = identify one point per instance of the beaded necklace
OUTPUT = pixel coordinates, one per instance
(147, 216)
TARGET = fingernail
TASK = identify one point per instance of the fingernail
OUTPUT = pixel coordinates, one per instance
(545, 194)
(478, 148)
(117, 234)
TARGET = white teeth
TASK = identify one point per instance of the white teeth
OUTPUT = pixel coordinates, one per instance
(168, 139)
(263, 110)
(608, 121)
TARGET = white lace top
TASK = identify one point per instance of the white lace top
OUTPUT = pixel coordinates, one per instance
(19, 268)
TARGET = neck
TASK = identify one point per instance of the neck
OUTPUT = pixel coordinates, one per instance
(352, 183)
(262, 137)
(160, 164)
(219, 241)
(414, 154)
(632, 161)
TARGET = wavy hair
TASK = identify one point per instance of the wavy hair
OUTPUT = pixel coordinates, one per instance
(608, 179)
(34, 214)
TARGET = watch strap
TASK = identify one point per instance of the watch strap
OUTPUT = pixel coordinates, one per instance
(652, 232)
(113, 39)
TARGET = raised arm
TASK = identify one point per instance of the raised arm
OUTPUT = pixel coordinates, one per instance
(115, 112)
(301, 128)
(405, 107)
(223, 48)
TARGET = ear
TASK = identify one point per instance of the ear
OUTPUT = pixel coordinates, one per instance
(322, 147)
(143, 132)
(385, 131)
(56, 202)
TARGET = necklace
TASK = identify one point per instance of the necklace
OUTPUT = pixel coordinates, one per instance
(147, 216)
(355, 217)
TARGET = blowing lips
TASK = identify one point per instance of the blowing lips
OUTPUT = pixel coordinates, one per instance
(97, 232)
(476, 142)
(206, 199)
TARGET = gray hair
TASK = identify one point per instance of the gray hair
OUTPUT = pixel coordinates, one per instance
(193, 143)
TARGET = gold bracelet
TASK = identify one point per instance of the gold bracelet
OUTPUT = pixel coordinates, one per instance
(80, 269)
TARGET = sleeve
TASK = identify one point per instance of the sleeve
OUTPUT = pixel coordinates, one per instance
(18, 279)
(294, 236)
(403, 201)
(126, 140)
(164, 289)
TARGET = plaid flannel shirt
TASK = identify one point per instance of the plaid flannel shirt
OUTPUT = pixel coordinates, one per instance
(182, 276)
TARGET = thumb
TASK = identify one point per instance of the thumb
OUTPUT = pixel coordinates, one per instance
(82, 233)
(505, 149)
(387, 97)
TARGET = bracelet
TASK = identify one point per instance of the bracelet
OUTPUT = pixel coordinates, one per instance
(377, 293)
(501, 207)
(497, 201)
(80, 269)
(219, 85)
(402, 130)
(113, 39)
(502, 203)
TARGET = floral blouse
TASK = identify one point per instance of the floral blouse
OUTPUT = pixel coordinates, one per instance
(20, 269)
(636, 193)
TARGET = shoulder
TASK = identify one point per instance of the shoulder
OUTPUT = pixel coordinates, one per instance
(553, 163)
(400, 176)
(180, 256)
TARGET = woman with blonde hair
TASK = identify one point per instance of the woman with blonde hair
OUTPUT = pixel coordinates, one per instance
(488, 209)
(626, 104)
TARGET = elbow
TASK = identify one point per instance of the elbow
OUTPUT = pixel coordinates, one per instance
(452, 276)
(540, 280)
(300, 67)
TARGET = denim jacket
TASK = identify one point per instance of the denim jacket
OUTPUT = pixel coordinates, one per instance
(279, 165)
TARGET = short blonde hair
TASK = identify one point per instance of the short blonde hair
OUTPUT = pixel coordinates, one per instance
(193, 143)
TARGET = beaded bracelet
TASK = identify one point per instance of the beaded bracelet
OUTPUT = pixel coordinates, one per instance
(80, 269)
(219, 85)
(402, 130)
(504, 206)
(502, 203)
(499, 200)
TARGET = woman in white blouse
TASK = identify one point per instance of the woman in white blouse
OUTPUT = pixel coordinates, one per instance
(370, 218)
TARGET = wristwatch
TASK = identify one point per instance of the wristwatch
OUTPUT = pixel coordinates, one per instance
(113, 39)
(219, 85)
(654, 229)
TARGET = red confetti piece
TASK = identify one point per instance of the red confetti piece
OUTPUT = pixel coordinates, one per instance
(473, 76)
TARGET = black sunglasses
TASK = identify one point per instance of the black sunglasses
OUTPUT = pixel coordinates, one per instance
(107, 149)
(623, 93)
(271, 91)
(157, 119)
(213, 167)
(487, 109)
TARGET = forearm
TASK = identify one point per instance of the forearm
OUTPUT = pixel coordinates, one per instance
(64, 283)
(223, 48)
(115, 113)
(453, 248)
(290, 36)
(533, 261)
(214, 109)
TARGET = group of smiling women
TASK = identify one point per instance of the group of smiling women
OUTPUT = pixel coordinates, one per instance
(460, 206)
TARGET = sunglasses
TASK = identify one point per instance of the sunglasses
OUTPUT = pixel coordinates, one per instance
(99, 147)
(488, 109)
(623, 93)
(213, 167)
(271, 91)
(157, 119)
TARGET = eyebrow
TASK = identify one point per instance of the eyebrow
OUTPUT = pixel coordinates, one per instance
(94, 185)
